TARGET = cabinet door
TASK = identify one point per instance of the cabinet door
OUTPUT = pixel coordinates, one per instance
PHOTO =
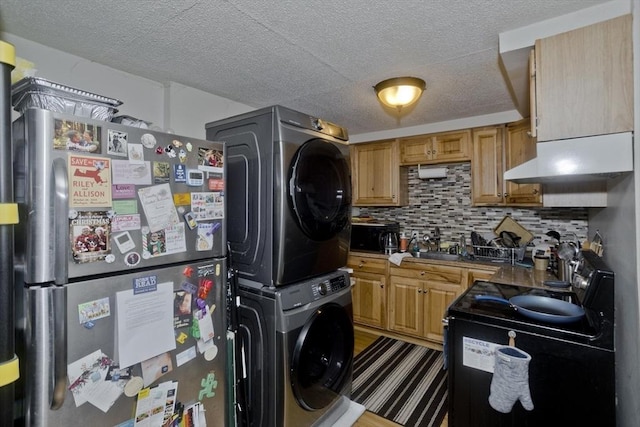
(416, 150)
(376, 174)
(369, 299)
(520, 147)
(437, 297)
(487, 167)
(451, 147)
(584, 81)
(405, 306)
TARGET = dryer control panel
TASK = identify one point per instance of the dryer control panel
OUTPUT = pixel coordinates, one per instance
(329, 286)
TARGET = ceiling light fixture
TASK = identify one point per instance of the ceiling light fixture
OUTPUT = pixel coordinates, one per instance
(400, 92)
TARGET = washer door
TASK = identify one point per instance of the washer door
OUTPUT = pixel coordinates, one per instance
(322, 357)
(320, 189)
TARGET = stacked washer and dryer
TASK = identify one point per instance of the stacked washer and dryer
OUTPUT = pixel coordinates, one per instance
(289, 206)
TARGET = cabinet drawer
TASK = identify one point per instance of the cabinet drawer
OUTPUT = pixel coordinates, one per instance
(367, 265)
(432, 272)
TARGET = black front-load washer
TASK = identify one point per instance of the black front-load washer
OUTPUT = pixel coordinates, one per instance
(288, 194)
(297, 350)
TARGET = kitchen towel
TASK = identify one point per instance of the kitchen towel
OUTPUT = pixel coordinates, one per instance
(398, 257)
(402, 382)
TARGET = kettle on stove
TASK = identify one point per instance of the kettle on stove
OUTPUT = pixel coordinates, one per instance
(389, 242)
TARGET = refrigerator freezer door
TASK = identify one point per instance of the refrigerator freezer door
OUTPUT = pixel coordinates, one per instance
(63, 397)
(131, 198)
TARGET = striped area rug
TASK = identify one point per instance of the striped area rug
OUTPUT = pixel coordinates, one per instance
(402, 382)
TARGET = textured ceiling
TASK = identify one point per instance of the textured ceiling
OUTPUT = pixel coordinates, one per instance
(321, 58)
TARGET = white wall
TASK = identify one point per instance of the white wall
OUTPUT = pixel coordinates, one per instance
(620, 226)
(174, 107)
(190, 109)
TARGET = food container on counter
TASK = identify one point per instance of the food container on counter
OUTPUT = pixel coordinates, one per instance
(35, 92)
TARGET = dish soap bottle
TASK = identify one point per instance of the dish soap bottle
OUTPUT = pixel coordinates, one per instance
(403, 242)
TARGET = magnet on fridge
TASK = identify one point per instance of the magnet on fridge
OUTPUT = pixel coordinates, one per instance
(187, 271)
(170, 151)
(89, 324)
(190, 219)
(179, 173)
(189, 287)
(204, 288)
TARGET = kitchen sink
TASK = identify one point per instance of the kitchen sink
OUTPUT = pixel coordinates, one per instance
(442, 256)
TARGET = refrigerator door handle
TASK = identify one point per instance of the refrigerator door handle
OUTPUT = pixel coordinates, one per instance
(46, 351)
(59, 320)
(60, 221)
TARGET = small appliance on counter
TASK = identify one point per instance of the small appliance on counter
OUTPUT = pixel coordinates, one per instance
(564, 346)
(369, 236)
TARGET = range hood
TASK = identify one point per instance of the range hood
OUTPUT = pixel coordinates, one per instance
(577, 159)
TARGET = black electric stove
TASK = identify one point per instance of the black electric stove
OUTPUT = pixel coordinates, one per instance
(572, 368)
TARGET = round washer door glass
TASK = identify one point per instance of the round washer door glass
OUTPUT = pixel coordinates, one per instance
(323, 357)
(320, 189)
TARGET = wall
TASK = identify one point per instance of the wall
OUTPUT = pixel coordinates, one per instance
(446, 203)
(620, 224)
(617, 224)
(170, 107)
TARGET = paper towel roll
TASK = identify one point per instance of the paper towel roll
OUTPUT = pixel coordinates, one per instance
(428, 173)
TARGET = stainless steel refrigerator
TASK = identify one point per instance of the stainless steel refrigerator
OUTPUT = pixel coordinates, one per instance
(120, 275)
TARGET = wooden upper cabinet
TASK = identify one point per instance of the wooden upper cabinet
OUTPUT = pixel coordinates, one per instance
(377, 178)
(496, 150)
(520, 147)
(583, 81)
(487, 167)
(446, 147)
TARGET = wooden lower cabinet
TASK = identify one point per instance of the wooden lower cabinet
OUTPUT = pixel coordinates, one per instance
(369, 290)
(369, 299)
(419, 297)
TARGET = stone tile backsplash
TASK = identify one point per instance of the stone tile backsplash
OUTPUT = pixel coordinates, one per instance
(446, 203)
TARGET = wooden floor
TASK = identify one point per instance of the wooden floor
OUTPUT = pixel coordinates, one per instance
(369, 419)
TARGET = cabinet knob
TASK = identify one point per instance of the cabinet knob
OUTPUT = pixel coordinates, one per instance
(535, 191)
(381, 286)
(419, 291)
(422, 273)
(433, 152)
(506, 194)
(361, 264)
(499, 194)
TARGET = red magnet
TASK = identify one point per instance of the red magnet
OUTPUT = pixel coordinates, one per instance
(187, 271)
(205, 287)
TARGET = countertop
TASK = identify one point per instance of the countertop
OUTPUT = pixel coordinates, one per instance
(505, 273)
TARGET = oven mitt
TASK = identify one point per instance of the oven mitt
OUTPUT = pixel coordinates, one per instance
(510, 380)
